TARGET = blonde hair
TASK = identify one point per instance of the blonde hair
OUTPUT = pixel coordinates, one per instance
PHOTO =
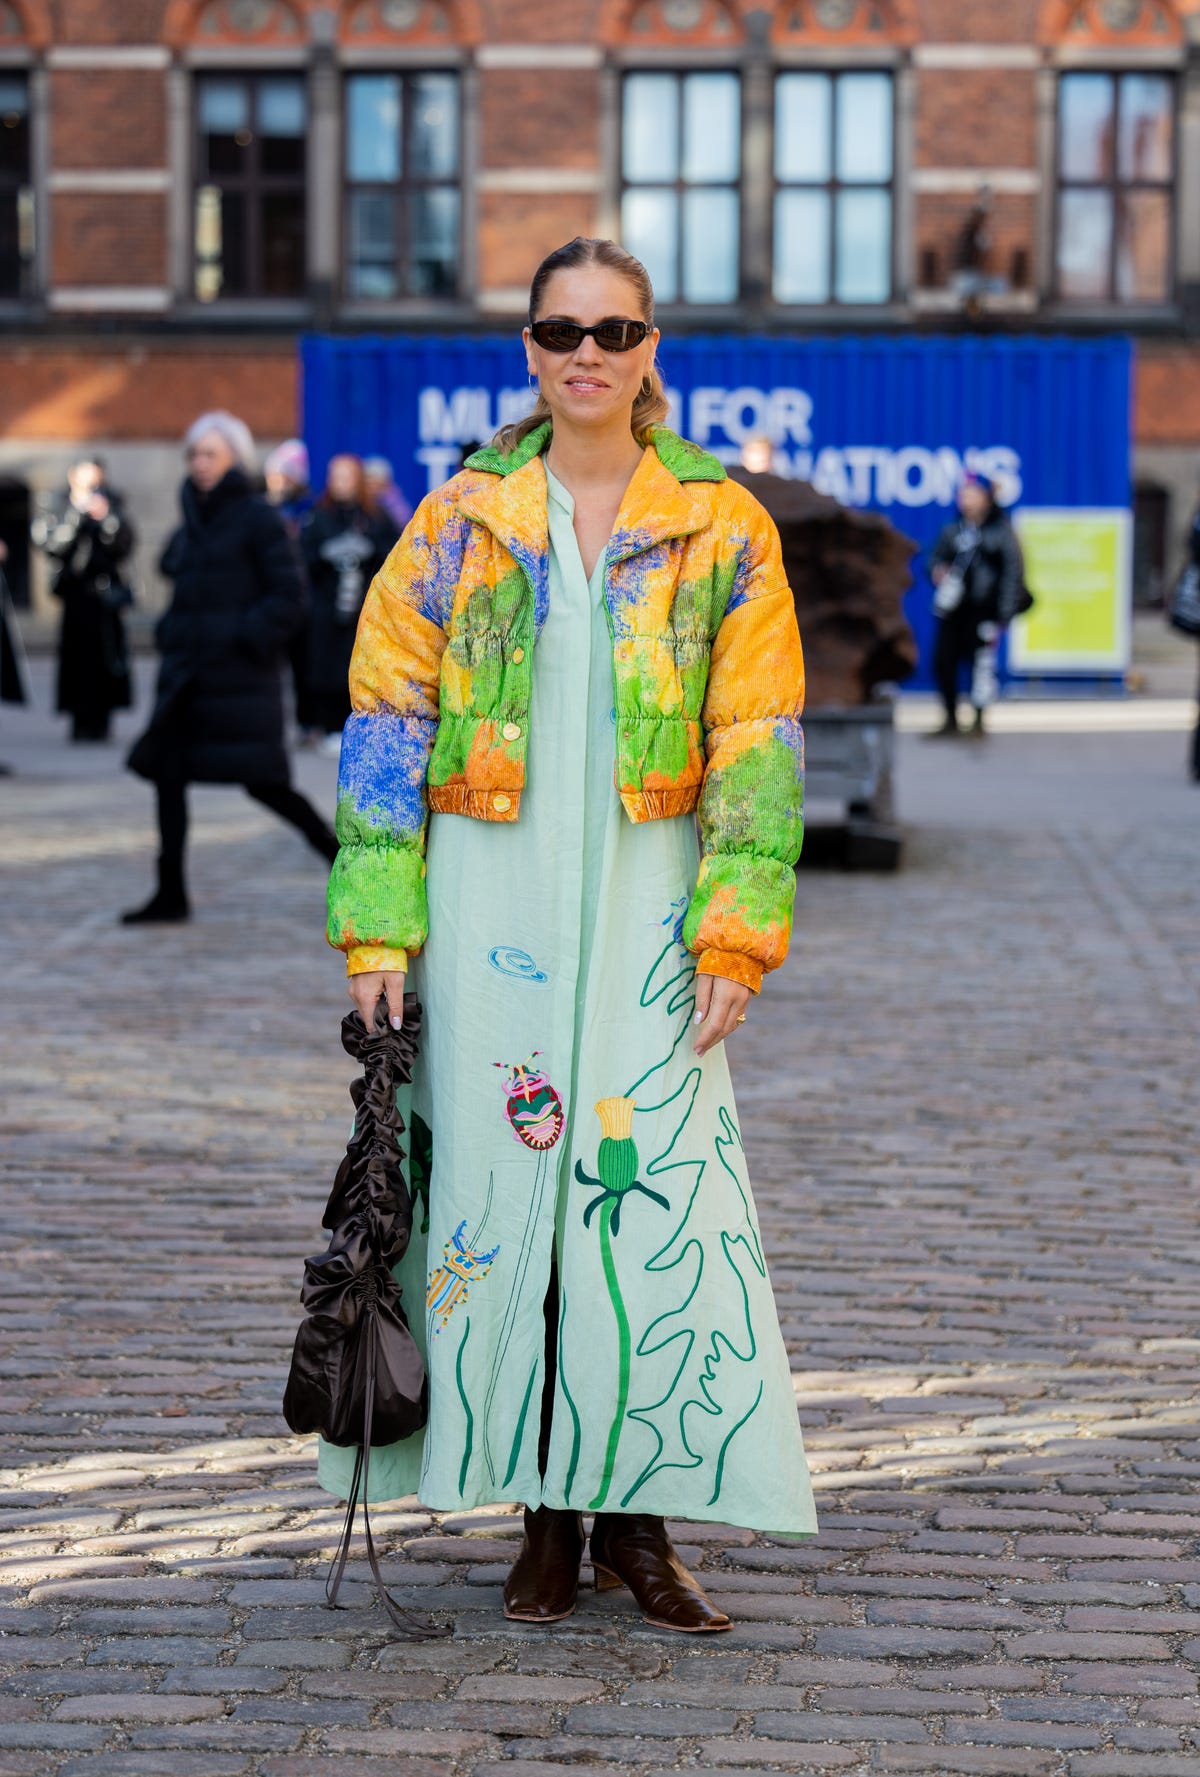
(650, 407)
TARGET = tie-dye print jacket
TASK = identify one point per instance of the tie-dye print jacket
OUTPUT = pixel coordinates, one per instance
(708, 684)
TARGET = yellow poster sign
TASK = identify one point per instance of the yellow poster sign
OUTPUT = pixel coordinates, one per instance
(1078, 568)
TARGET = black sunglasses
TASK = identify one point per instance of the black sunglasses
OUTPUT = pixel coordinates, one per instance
(568, 336)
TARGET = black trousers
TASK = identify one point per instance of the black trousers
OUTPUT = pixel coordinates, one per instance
(956, 646)
(282, 799)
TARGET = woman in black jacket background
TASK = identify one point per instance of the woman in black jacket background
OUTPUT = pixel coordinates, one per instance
(346, 540)
(239, 598)
(978, 575)
(88, 537)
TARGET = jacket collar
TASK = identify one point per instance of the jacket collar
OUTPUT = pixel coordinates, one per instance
(200, 509)
(670, 495)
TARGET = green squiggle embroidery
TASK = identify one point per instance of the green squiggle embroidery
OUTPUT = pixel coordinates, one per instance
(469, 1438)
(623, 1350)
(515, 1452)
(576, 1432)
(729, 1439)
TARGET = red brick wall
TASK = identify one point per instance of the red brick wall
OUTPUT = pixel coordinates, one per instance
(540, 21)
(145, 392)
(1166, 404)
(522, 112)
(108, 117)
(977, 21)
(976, 118)
(941, 216)
(102, 238)
(107, 21)
(515, 232)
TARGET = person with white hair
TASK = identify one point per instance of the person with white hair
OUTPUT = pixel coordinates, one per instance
(239, 599)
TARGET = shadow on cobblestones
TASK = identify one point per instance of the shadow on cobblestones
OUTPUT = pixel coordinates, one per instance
(970, 1106)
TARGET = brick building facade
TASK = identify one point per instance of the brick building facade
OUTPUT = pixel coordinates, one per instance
(186, 185)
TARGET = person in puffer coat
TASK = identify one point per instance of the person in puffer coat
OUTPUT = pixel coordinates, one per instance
(570, 808)
(218, 714)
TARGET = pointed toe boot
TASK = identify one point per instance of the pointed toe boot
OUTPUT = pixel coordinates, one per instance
(544, 1582)
(634, 1550)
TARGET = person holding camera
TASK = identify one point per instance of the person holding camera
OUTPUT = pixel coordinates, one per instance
(88, 538)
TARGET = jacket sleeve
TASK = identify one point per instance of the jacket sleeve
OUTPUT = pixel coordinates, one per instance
(751, 808)
(944, 550)
(56, 533)
(1011, 577)
(377, 908)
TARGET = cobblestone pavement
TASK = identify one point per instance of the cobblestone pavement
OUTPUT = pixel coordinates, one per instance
(970, 1104)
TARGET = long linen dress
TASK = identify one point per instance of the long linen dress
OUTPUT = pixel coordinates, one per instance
(570, 1114)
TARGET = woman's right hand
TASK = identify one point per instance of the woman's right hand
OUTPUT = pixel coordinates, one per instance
(365, 991)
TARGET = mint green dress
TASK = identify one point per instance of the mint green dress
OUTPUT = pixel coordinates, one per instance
(571, 1117)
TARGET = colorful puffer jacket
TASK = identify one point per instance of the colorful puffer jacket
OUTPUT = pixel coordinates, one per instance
(708, 684)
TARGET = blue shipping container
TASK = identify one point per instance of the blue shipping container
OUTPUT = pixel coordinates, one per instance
(877, 421)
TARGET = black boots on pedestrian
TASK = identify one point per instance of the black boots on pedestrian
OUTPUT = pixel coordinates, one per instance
(169, 906)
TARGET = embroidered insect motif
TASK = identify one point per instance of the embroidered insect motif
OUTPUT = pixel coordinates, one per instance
(449, 1282)
(534, 1108)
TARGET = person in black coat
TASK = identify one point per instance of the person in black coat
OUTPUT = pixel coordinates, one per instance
(89, 539)
(346, 540)
(1193, 561)
(239, 598)
(978, 575)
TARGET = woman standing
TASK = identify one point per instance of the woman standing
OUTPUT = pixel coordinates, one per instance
(218, 714)
(345, 541)
(977, 574)
(89, 539)
(582, 638)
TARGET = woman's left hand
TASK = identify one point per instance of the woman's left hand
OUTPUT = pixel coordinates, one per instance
(719, 1004)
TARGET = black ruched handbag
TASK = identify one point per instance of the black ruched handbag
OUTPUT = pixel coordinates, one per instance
(357, 1376)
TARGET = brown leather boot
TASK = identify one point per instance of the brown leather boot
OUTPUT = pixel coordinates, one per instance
(544, 1582)
(634, 1550)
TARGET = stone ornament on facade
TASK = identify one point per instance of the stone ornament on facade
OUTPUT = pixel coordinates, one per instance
(849, 21)
(398, 21)
(247, 21)
(26, 22)
(362, 23)
(1125, 22)
(835, 15)
(674, 22)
